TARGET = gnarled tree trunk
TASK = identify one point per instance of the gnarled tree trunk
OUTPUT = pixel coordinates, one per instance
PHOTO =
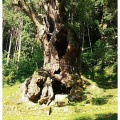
(61, 51)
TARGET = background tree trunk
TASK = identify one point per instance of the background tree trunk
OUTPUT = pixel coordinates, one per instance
(8, 56)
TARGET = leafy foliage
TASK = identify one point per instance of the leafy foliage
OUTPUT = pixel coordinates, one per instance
(30, 58)
(101, 64)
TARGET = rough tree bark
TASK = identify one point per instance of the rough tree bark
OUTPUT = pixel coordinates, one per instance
(61, 51)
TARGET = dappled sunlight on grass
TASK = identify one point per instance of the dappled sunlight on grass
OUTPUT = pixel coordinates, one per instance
(73, 111)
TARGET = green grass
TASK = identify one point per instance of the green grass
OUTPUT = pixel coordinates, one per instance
(101, 104)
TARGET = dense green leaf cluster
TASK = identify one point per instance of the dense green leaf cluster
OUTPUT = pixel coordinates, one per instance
(101, 64)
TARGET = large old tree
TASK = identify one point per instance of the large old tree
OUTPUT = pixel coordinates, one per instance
(61, 50)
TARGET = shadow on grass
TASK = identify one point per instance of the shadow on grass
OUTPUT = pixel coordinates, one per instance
(106, 82)
(106, 116)
(99, 117)
(83, 118)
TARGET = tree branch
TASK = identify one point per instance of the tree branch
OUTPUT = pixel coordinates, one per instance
(31, 14)
(27, 10)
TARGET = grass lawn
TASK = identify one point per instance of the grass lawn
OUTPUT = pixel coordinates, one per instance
(100, 104)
